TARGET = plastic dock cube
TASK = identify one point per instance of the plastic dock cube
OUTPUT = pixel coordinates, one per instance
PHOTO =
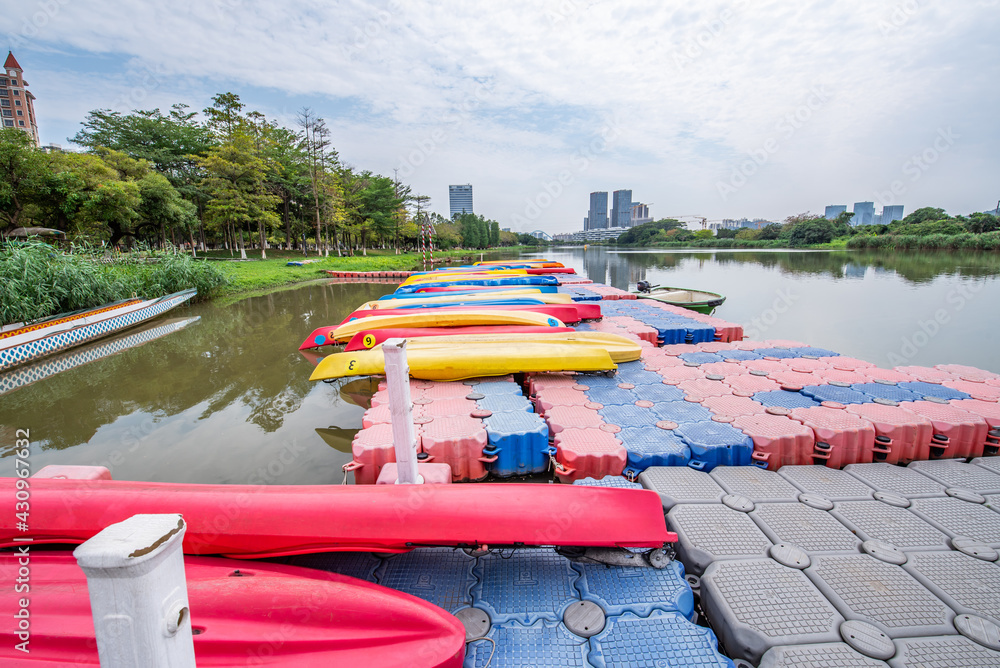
(652, 446)
(715, 443)
(906, 435)
(777, 440)
(458, 441)
(588, 453)
(519, 441)
(841, 438)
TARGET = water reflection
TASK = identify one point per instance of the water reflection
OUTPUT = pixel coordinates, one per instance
(210, 403)
(229, 400)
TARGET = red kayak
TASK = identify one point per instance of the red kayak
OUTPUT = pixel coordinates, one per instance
(242, 613)
(370, 338)
(550, 270)
(567, 313)
(260, 521)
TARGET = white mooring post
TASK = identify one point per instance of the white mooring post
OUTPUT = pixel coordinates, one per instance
(138, 593)
(404, 439)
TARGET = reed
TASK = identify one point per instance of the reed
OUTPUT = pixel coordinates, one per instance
(38, 280)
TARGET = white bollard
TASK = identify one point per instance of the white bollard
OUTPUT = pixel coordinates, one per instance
(138, 593)
(404, 438)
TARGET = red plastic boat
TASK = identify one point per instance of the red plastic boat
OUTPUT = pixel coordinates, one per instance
(542, 271)
(243, 613)
(568, 313)
(370, 338)
(276, 520)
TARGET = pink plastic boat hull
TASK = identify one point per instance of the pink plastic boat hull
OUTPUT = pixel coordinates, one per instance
(267, 615)
(358, 341)
(275, 520)
(567, 313)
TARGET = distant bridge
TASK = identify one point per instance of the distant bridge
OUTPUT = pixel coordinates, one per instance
(538, 234)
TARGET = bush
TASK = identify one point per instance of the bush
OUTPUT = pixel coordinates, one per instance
(38, 280)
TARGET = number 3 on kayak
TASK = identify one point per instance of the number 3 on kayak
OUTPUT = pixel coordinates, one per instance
(350, 367)
(369, 341)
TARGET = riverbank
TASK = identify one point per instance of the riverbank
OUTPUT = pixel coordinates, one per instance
(37, 280)
(254, 276)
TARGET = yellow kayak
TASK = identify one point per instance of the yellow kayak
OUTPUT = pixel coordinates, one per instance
(414, 318)
(389, 304)
(470, 360)
(618, 347)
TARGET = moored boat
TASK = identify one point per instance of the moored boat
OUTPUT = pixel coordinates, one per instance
(701, 301)
(33, 341)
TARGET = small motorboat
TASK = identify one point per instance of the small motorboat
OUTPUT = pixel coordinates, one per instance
(696, 300)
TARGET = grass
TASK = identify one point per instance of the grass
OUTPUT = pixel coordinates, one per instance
(261, 275)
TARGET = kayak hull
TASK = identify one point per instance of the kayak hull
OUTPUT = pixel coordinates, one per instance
(246, 613)
(446, 360)
(473, 289)
(425, 318)
(370, 338)
(257, 521)
(567, 313)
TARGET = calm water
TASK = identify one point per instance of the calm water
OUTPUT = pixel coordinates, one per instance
(228, 400)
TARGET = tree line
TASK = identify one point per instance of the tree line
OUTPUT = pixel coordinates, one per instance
(804, 229)
(228, 178)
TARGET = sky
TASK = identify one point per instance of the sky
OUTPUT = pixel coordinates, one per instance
(758, 109)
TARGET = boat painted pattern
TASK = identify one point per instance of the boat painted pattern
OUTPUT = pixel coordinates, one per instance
(31, 373)
(39, 348)
(70, 318)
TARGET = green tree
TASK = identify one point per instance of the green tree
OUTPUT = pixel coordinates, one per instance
(815, 231)
(770, 232)
(234, 181)
(23, 175)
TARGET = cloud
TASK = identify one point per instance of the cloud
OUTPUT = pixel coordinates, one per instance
(518, 91)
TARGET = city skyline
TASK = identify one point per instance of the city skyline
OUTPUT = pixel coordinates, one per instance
(430, 90)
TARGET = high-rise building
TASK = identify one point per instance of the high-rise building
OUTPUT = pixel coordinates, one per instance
(460, 200)
(640, 214)
(17, 105)
(864, 213)
(891, 213)
(834, 210)
(621, 208)
(597, 217)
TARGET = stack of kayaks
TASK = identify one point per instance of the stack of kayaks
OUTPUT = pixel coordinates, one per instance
(472, 321)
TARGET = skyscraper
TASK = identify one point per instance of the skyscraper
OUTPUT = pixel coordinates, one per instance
(864, 213)
(621, 208)
(460, 200)
(597, 218)
(891, 213)
(17, 105)
(834, 210)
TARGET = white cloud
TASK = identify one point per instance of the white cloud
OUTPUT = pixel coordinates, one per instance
(693, 89)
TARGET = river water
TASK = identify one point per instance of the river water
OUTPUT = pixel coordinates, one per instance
(227, 399)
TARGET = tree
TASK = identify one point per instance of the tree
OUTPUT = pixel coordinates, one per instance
(315, 142)
(815, 231)
(23, 175)
(925, 214)
(770, 232)
(704, 234)
(725, 233)
(642, 235)
(234, 181)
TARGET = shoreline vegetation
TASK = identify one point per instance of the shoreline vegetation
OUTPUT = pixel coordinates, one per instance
(925, 229)
(38, 280)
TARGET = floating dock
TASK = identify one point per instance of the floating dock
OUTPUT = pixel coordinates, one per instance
(813, 530)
